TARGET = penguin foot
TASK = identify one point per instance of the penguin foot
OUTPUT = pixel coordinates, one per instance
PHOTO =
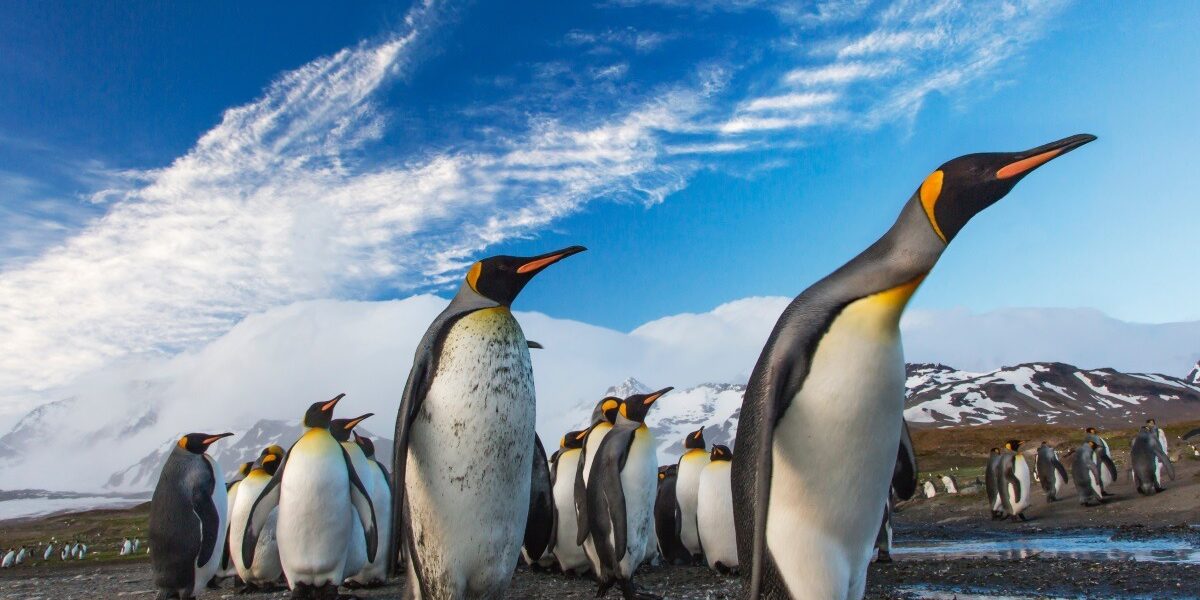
(1023, 517)
(884, 557)
(631, 592)
(602, 588)
(213, 584)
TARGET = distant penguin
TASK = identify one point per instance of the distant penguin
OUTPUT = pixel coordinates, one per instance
(266, 570)
(10, 559)
(22, 554)
(83, 550)
(127, 547)
(1108, 468)
(992, 475)
(1160, 434)
(949, 483)
(1086, 471)
(620, 496)
(187, 518)
(136, 544)
(928, 489)
(66, 553)
(603, 417)
(356, 549)
(714, 512)
(667, 518)
(828, 391)
(1051, 472)
(567, 550)
(379, 484)
(539, 524)
(48, 552)
(319, 496)
(695, 457)
(904, 487)
(1149, 459)
(1015, 482)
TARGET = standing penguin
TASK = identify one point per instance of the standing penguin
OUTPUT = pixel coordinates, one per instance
(695, 457)
(928, 489)
(1158, 433)
(992, 473)
(620, 496)
(227, 568)
(1149, 459)
(904, 487)
(356, 549)
(603, 418)
(9, 560)
(1051, 472)
(187, 518)
(539, 525)
(318, 495)
(1015, 487)
(567, 550)
(1086, 471)
(379, 484)
(470, 387)
(48, 552)
(1108, 468)
(266, 570)
(714, 512)
(949, 483)
(828, 389)
(667, 518)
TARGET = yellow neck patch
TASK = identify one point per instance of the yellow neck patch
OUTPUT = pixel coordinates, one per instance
(931, 189)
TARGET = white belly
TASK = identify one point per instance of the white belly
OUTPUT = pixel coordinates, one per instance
(1060, 484)
(266, 568)
(833, 455)
(220, 500)
(714, 513)
(470, 458)
(687, 485)
(315, 513)
(569, 554)
(639, 481)
(1020, 501)
(381, 500)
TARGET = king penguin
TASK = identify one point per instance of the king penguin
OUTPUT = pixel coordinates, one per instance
(379, 484)
(570, 555)
(1148, 458)
(318, 495)
(667, 518)
(603, 417)
(828, 389)
(1015, 487)
(620, 496)
(1108, 468)
(266, 569)
(187, 518)
(695, 457)
(714, 512)
(464, 435)
(231, 489)
(356, 549)
(539, 524)
(992, 477)
(1086, 471)
(1051, 472)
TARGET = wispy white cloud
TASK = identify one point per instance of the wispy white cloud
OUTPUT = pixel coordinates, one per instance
(793, 101)
(839, 73)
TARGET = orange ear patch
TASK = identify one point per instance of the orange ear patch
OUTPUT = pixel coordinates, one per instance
(473, 276)
(931, 190)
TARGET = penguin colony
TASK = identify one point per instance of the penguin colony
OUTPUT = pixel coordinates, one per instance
(472, 492)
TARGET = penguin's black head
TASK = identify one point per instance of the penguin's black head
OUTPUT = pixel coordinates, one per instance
(198, 443)
(1090, 430)
(1013, 445)
(963, 187)
(1150, 422)
(606, 410)
(321, 413)
(720, 452)
(368, 447)
(694, 440)
(995, 451)
(573, 440)
(666, 471)
(275, 449)
(268, 463)
(501, 278)
(341, 428)
(636, 406)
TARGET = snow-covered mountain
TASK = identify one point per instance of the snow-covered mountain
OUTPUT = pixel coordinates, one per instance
(230, 453)
(1194, 375)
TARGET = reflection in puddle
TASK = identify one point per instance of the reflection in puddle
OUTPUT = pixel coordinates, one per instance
(1085, 547)
(930, 594)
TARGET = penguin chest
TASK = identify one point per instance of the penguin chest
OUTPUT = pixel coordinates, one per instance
(570, 555)
(714, 515)
(315, 513)
(592, 446)
(687, 486)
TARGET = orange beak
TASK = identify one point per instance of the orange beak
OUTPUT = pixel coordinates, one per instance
(328, 406)
(538, 263)
(1036, 157)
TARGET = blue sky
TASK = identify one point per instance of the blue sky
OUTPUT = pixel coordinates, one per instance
(166, 169)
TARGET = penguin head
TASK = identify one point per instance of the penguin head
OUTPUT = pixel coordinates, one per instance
(341, 428)
(198, 443)
(275, 449)
(501, 278)
(245, 468)
(665, 471)
(321, 413)
(606, 410)
(694, 440)
(573, 440)
(368, 447)
(963, 187)
(268, 463)
(636, 406)
(1091, 430)
(720, 452)
(1013, 445)
(1151, 422)
(995, 451)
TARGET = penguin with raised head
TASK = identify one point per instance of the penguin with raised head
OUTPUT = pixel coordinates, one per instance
(667, 518)
(695, 457)
(470, 387)
(572, 560)
(620, 496)
(356, 549)
(264, 573)
(379, 484)
(1149, 459)
(904, 487)
(1015, 480)
(1086, 471)
(603, 418)
(318, 495)
(187, 518)
(714, 512)
(828, 389)
(539, 524)
(1051, 472)
(1108, 468)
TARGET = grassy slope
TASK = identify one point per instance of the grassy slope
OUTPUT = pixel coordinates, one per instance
(102, 531)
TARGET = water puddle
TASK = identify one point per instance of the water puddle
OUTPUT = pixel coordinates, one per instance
(925, 593)
(1085, 547)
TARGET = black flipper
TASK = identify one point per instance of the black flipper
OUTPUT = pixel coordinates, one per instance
(210, 521)
(904, 478)
(606, 497)
(539, 527)
(534, 345)
(362, 505)
(267, 500)
(1010, 477)
(581, 504)
(1191, 434)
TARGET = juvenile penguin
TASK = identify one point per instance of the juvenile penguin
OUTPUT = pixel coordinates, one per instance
(667, 518)
(620, 496)
(318, 495)
(356, 549)
(470, 387)
(695, 457)
(1149, 459)
(714, 512)
(266, 570)
(567, 550)
(828, 389)
(539, 524)
(1015, 486)
(187, 518)
(1108, 468)
(1087, 474)
(1051, 472)
(904, 487)
(603, 417)
(379, 484)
